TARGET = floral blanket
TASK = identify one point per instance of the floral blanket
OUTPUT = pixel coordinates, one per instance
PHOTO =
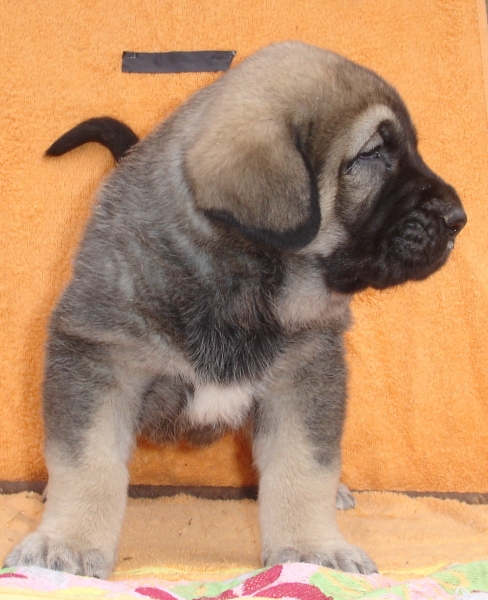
(294, 581)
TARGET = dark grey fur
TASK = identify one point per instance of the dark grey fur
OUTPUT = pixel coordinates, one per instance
(212, 288)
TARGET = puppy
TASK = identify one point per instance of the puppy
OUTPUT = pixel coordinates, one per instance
(212, 289)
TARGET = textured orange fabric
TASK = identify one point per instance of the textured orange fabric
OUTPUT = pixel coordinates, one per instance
(418, 355)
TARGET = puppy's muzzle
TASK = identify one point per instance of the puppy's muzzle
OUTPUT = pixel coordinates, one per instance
(439, 204)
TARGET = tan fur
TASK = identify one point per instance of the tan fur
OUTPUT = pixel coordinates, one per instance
(298, 499)
(305, 300)
(244, 158)
(86, 500)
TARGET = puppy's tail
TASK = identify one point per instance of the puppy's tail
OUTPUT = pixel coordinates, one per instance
(114, 135)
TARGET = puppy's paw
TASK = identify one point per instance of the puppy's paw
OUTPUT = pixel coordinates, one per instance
(340, 556)
(344, 498)
(40, 550)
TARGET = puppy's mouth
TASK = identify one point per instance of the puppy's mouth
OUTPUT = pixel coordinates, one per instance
(411, 249)
(419, 244)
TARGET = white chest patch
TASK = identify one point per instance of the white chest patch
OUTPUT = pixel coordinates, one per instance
(220, 404)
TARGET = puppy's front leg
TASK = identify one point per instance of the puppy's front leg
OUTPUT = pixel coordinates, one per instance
(82, 519)
(297, 452)
(90, 413)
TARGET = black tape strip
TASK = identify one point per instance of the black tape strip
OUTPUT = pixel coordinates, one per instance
(207, 61)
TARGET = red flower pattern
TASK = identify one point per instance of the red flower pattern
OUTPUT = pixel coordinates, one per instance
(157, 594)
(262, 585)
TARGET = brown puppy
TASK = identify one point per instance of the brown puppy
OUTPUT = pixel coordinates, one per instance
(212, 288)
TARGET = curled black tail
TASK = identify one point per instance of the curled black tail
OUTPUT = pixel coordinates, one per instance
(114, 135)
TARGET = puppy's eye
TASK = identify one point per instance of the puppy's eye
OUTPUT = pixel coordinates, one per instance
(375, 154)
(371, 154)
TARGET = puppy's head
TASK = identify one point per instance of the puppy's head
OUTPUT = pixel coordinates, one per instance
(302, 150)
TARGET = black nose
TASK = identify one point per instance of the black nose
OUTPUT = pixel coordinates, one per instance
(455, 219)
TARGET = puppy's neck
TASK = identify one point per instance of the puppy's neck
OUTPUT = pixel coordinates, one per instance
(305, 300)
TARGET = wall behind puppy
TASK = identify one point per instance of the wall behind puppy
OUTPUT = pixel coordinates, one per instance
(418, 355)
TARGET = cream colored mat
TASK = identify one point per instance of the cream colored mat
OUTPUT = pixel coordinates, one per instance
(406, 537)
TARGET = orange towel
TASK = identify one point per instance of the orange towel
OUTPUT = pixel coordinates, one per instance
(418, 355)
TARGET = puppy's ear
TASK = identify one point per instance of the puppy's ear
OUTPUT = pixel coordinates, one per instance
(257, 179)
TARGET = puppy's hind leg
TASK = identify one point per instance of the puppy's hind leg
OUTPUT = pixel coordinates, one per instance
(344, 498)
(90, 414)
